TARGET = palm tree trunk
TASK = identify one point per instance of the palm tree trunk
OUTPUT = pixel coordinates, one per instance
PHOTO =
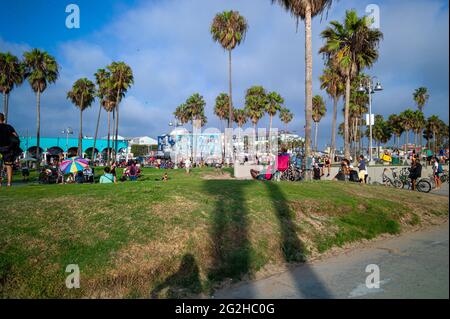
(230, 120)
(117, 132)
(346, 117)
(80, 137)
(333, 128)
(38, 129)
(270, 135)
(434, 142)
(96, 132)
(316, 129)
(109, 138)
(360, 135)
(5, 106)
(308, 79)
(113, 122)
(407, 142)
(378, 149)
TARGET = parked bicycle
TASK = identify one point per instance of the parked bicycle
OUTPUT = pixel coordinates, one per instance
(422, 185)
(395, 181)
(292, 174)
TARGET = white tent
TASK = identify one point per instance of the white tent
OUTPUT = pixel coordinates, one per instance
(143, 140)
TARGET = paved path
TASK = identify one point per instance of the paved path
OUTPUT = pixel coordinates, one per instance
(415, 265)
(442, 191)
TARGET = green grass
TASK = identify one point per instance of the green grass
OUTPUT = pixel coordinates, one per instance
(187, 235)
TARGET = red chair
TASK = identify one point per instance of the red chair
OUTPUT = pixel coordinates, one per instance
(282, 163)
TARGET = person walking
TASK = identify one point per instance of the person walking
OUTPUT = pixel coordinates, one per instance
(187, 165)
(437, 172)
(9, 148)
(362, 169)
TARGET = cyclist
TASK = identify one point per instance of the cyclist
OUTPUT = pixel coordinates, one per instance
(415, 172)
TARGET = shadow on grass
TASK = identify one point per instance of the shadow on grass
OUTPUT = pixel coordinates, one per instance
(229, 231)
(307, 283)
(232, 252)
(184, 282)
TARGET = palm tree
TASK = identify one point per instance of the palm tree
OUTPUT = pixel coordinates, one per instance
(381, 132)
(350, 47)
(359, 104)
(407, 120)
(433, 125)
(421, 97)
(286, 117)
(82, 95)
(121, 80)
(229, 29)
(192, 110)
(195, 108)
(102, 79)
(222, 107)
(181, 114)
(240, 117)
(318, 111)
(395, 123)
(332, 82)
(306, 10)
(11, 75)
(255, 104)
(273, 105)
(41, 69)
(418, 125)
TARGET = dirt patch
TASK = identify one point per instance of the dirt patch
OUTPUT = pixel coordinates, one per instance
(224, 176)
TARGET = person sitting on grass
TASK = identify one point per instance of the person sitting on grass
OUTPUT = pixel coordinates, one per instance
(107, 177)
(25, 172)
(164, 178)
(317, 172)
(132, 172)
(343, 171)
(79, 177)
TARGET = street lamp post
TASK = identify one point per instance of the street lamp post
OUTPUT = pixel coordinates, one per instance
(367, 86)
(67, 131)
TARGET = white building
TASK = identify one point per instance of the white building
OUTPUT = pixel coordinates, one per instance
(143, 140)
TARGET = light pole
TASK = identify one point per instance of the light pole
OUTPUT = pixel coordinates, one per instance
(367, 86)
(67, 131)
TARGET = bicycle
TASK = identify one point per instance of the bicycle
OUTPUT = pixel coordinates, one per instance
(395, 181)
(444, 177)
(422, 185)
(292, 174)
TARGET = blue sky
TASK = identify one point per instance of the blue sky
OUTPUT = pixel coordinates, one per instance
(167, 43)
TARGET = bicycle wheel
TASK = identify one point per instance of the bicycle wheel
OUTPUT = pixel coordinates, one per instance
(423, 186)
(397, 183)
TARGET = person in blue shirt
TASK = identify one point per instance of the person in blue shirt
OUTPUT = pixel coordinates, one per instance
(107, 177)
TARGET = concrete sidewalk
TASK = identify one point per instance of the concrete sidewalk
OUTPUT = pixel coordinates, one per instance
(415, 265)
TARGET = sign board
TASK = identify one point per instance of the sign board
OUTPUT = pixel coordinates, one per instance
(371, 121)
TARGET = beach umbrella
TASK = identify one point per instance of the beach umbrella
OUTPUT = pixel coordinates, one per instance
(73, 165)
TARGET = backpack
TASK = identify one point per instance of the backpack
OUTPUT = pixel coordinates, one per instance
(440, 168)
(354, 176)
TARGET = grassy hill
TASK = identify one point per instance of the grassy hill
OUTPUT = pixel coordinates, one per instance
(187, 235)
